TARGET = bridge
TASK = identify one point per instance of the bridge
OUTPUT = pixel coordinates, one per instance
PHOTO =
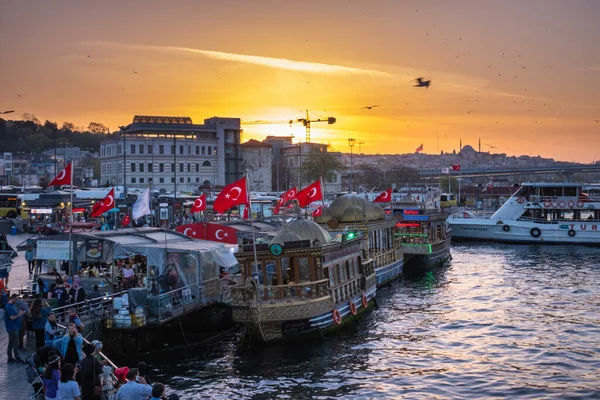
(511, 171)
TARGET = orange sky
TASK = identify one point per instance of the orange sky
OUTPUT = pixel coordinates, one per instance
(523, 76)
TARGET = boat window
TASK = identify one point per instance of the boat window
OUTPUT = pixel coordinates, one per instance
(271, 272)
(303, 270)
(349, 273)
(337, 273)
(570, 191)
(523, 191)
(551, 191)
(343, 275)
(285, 270)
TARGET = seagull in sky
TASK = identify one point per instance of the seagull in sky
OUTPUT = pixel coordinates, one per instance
(422, 83)
(369, 107)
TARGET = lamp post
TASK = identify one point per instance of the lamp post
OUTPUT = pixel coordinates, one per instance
(351, 144)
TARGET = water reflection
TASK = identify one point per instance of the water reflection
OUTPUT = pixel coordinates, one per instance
(501, 320)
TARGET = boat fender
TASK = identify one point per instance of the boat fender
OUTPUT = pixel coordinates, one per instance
(571, 232)
(337, 317)
(562, 204)
(352, 307)
(506, 228)
(365, 301)
(521, 200)
(535, 232)
(571, 203)
(547, 204)
(580, 204)
(591, 207)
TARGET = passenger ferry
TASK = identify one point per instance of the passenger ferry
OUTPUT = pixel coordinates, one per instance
(557, 213)
(302, 282)
(351, 213)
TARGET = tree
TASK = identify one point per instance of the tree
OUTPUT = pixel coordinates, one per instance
(97, 128)
(368, 177)
(68, 126)
(401, 176)
(453, 184)
(51, 126)
(30, 117)
(320, 164)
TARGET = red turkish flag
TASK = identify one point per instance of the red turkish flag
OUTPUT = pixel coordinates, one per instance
(318, 212)
(102, 206)
(199, 204)
(126, 220)
(209, 231)
(456, 167)
(196, 231)
(309, 194)
(232, 195)
(64, 177)
(290, 195)
(246, 211)
(419, 149)
(385, 197)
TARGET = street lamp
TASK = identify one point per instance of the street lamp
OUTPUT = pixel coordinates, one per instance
(351, 144)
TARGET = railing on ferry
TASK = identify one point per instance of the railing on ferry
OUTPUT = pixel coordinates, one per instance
(346, 290)
(289, 292)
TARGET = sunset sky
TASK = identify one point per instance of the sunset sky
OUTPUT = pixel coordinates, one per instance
(522, 75)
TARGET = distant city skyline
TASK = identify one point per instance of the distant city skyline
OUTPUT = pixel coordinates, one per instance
(522, 76)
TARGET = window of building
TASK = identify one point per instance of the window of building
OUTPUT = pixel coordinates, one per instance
(181, 180)
(161, 149)
(203, 150)
(150, 168)
(209, 150)
(180, 167)
(197, 167)
(189, 167)
(119, 149)
(189, 179)
(172, 167)
(197, 179)
(206, 164)
(132, 149)
(132, 167)
(161, 167)
(150, 148)
(189, 149)
(181, 149)
(141, 180)
(172, 149)
(161, 180)
(132, 180)
(172, 180)
(141, 167)
(197, 150)
(141, 149)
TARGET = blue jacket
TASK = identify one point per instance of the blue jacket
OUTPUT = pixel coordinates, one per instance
(62, 344)
(40, 323)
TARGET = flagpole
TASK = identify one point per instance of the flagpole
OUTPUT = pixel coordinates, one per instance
(322, 192)
(71, 255)
(249, 205)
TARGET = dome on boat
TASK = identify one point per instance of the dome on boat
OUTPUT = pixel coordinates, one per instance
(302, 229)
(353, 208)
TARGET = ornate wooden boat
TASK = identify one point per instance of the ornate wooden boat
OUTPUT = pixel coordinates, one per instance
(302, 282)
(353, 213)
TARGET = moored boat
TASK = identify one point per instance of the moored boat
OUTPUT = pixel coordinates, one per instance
(553, 213)
(301, 283)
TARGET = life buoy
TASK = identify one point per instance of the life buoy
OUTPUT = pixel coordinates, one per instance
(580, 204)
(571, 203)
(521, 200)
(364, 301)
(535, 232)
(337, 317)
(547, 204)
(554, 204)
(352, 308)
(506, 228)
(562, 204)
(571, 232)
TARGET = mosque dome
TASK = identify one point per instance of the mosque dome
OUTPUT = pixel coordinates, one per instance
(302, 229)
(353, 208)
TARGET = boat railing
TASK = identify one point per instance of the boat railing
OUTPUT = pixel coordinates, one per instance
(242, 294)
(367, 267)
(417, 248)
(90, 307)
(165, 306)
(345, 290)
(383, 258)
(555, 221)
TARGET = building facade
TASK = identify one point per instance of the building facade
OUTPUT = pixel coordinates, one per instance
(172, 153)
(257, 162)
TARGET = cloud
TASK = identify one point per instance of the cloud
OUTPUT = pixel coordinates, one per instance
(595, 68)
(270, 62)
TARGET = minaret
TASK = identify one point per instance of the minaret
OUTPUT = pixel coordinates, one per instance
(480, 145)
(460, 145)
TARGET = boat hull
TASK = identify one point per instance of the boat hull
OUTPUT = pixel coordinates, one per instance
(389, 273)
(576, 233)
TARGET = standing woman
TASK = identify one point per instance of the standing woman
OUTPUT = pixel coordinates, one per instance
(39, 312)
(51, 378)
(68, 387)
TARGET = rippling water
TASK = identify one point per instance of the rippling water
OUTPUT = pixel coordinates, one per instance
(500, 321)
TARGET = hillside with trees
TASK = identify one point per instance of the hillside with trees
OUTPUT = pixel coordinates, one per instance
(29, 135)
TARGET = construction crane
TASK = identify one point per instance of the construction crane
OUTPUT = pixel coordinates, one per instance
(305, 121)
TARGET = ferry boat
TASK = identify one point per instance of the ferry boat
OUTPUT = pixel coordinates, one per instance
(422, 230)
(301, 283)
(353, 213)
(556, 213)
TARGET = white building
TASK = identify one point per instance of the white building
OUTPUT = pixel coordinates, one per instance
(173, 153)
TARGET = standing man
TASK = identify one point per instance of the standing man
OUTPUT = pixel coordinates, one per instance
(13, 320)
(23, 305)
(29, 258)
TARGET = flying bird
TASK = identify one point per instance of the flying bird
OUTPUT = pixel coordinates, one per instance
(597, 120)
(369, 107)
(422, 83)
(135, 72)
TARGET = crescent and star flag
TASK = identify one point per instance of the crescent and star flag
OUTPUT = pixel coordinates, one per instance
(64, 177)
(199, 204)
(209, 231)
(233, 194)
(384, 197)
(285, 197)
(102, 206)
(246, 211)
(309, 194)
(318, 212)
(456, 167)
(142, 205)
(420, 148)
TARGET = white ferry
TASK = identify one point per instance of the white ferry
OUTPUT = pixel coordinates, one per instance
(557, 213)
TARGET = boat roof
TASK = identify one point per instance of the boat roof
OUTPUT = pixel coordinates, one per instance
(562, 184)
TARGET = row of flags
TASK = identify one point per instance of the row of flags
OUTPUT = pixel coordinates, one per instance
(455, 167)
